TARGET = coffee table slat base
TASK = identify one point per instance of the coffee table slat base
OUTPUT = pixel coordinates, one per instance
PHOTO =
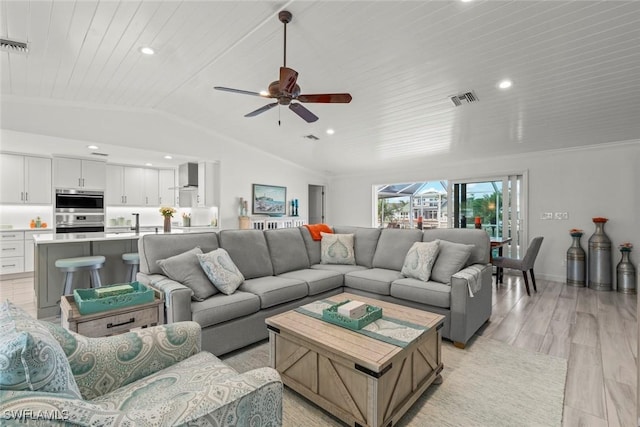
(354, 393)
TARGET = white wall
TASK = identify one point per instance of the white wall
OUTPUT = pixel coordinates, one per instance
(240, 164)
(596, 181)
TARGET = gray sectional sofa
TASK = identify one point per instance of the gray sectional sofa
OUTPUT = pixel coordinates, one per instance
(283, 270)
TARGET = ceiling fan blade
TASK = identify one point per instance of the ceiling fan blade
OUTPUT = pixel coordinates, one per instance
(288, 77)
(300, 110)
(326, 98)
(261, 110)
(244, 92)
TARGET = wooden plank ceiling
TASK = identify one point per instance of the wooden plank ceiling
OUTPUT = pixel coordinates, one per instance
(575, 67)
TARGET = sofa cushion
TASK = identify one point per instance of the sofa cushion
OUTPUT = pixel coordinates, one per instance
(340, 268)
(337, 249)
(430, 293)
(221, 308)
(478, 238)
(249, 251)
(393, 246)
(221, 271)
(313, 246)
(365, 242)
(31, 359)
(318, 281)
(274, 290)
(186, 269)
(154, 247)
(375, 280)
(420, 260)
(287, 249)
(451, 259)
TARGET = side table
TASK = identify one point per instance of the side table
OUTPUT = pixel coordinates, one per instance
(110, 322)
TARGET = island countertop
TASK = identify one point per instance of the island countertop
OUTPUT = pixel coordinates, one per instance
(45, 239)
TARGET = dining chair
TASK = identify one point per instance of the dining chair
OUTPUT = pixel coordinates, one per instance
(525, 264)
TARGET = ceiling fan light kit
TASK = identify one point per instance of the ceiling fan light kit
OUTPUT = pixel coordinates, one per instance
(286, 89)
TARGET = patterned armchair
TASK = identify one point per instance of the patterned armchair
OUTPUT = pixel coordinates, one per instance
(149, 377)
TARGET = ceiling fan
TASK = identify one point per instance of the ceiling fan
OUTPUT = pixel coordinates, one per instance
(286, 90)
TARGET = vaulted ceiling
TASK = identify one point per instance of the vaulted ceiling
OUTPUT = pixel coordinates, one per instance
(575, 67)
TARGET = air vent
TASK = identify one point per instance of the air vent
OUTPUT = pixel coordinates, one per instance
(13, 46)
(99, 154)
(311, 136)
(464, 98)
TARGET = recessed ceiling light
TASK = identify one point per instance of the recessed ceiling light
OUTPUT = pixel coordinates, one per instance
(330, 131)
(92, 147)
(147, 50)
(505, 84)
(168, 157)
(148, 164)
(466, 1)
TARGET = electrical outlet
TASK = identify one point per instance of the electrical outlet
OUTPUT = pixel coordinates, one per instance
(546, 215)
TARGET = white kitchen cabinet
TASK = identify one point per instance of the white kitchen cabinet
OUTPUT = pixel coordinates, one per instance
(208, 184)
(166, 187)
(79, 173)
(25, 179)
(151, 189)
(132, 186)
(11, 252)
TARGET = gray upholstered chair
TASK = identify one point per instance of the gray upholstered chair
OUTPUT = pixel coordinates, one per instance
(525, 264)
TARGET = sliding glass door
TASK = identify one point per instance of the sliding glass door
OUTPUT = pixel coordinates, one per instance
(495, 205)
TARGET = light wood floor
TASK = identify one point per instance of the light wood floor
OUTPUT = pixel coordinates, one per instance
(595, 331)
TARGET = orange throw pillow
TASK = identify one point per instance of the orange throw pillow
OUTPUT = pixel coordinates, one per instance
(316, 229)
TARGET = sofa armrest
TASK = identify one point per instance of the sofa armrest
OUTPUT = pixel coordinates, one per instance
(257, 395)
(468, 313)
(177, 297)
(101, 365)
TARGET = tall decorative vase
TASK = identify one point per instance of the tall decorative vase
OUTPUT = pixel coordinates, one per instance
(167, 224)
(626, 273)
(600, 260)
(576, 266)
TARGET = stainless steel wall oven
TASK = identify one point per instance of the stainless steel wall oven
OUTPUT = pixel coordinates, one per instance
(79, 211)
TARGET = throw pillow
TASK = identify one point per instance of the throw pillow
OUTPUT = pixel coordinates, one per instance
(420, 259)
(337, 249)
(30, 357)
(185, 268)
(451, 258)
(221, 271)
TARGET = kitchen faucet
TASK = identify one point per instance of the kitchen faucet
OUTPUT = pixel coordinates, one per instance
(136, 228)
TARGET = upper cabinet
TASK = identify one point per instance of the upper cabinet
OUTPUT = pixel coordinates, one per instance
(132, 186)
(25, 179)
(208, 184)
(166, 187)
(79, 173)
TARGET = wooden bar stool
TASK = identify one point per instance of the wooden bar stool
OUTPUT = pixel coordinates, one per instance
(133, 261)
(71, 265)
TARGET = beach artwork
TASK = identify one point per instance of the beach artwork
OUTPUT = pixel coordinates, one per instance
(269, 200)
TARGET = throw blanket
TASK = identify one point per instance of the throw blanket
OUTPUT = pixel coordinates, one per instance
(316, 229)
(393, 331)
(472, 275)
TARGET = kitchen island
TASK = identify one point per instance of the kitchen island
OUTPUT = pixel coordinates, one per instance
(51, 247)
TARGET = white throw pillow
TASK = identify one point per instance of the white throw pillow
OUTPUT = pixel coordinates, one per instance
(337, 249)
(220, 269)
(420, 260)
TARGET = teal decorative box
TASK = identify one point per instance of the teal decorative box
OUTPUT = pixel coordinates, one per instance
(89, 303)
(331, 315)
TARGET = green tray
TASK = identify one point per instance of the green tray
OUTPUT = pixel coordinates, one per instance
(331, 315)
(88, 303)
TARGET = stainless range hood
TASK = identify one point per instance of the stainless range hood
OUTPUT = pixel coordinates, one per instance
(188, 176)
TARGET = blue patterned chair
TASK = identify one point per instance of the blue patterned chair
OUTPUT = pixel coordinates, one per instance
(152, 377)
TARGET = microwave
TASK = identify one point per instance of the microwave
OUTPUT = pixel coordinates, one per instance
(79, 201)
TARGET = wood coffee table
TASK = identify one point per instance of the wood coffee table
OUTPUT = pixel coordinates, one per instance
(361, 380)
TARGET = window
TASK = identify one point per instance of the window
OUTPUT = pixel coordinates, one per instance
(412, 205)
